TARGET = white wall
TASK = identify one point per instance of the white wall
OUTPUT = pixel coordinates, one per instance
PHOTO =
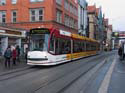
(4, 43)
(82, 16)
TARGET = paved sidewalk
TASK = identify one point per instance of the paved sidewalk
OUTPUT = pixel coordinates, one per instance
(20, 64)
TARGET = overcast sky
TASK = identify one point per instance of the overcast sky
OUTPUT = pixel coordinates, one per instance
(114, 10)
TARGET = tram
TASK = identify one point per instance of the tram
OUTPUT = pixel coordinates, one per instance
(52, 46)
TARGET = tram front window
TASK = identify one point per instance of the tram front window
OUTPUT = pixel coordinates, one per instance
(39, 42)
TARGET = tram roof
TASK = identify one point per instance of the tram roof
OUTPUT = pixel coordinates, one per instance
(83, 38)
(66, 34)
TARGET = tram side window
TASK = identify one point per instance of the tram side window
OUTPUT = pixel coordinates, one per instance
(68, 46)
(83, 46)
(88, 46)
(80, 47)
(57, 51)
(51, 49)
(93, 47)
(64, 46)
(76, 46)
(98, 47)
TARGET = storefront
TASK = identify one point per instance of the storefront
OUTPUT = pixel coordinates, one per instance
(10, 37)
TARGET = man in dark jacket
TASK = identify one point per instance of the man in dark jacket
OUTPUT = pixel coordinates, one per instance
(120, 51)
(18, 53)
(7, 55)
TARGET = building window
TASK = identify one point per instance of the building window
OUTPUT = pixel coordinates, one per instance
(66, 4)
(2, 2)
(36, 15)
(14, 16)
(66, 20)
(59, 16)
(36, 0)
(2, 16)
(59, 2)
(13, 1)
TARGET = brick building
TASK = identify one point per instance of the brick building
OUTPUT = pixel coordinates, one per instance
(27, 14)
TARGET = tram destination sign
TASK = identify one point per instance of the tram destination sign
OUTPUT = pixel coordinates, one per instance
(39, 31)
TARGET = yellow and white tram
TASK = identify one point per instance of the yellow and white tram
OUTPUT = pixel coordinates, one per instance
(51, 46)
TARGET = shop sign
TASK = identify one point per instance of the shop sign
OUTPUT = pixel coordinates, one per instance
(62, 32)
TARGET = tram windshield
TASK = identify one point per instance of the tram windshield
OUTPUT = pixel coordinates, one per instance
(39, 42)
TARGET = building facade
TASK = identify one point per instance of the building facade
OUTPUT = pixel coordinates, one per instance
(109, 38)
(101, 29)
(82, 17)
(105, 26)
(11, 37)
(27, 14)
(93, 22)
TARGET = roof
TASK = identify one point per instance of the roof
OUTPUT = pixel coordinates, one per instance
(91, 8)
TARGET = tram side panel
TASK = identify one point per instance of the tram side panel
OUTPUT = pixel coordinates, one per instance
(60, 50)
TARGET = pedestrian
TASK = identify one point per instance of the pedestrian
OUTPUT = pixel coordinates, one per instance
(18, 52)
(120, 52)
(14, 56)
(8, 55)
(26, 54)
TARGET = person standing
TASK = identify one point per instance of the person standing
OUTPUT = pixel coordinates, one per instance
(18, 52)
(26, 54)
(8, 55)
(14, 55)
(120, 51)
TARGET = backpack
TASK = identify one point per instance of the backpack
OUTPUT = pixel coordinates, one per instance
(8, 53)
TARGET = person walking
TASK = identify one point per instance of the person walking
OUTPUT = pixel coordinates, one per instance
(14, 55)
(8, 55)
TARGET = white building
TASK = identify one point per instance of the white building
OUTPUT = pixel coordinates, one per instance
(82, 17)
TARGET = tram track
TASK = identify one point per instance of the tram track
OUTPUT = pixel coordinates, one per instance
(16, 73)
(44, 77)
(69, 73)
